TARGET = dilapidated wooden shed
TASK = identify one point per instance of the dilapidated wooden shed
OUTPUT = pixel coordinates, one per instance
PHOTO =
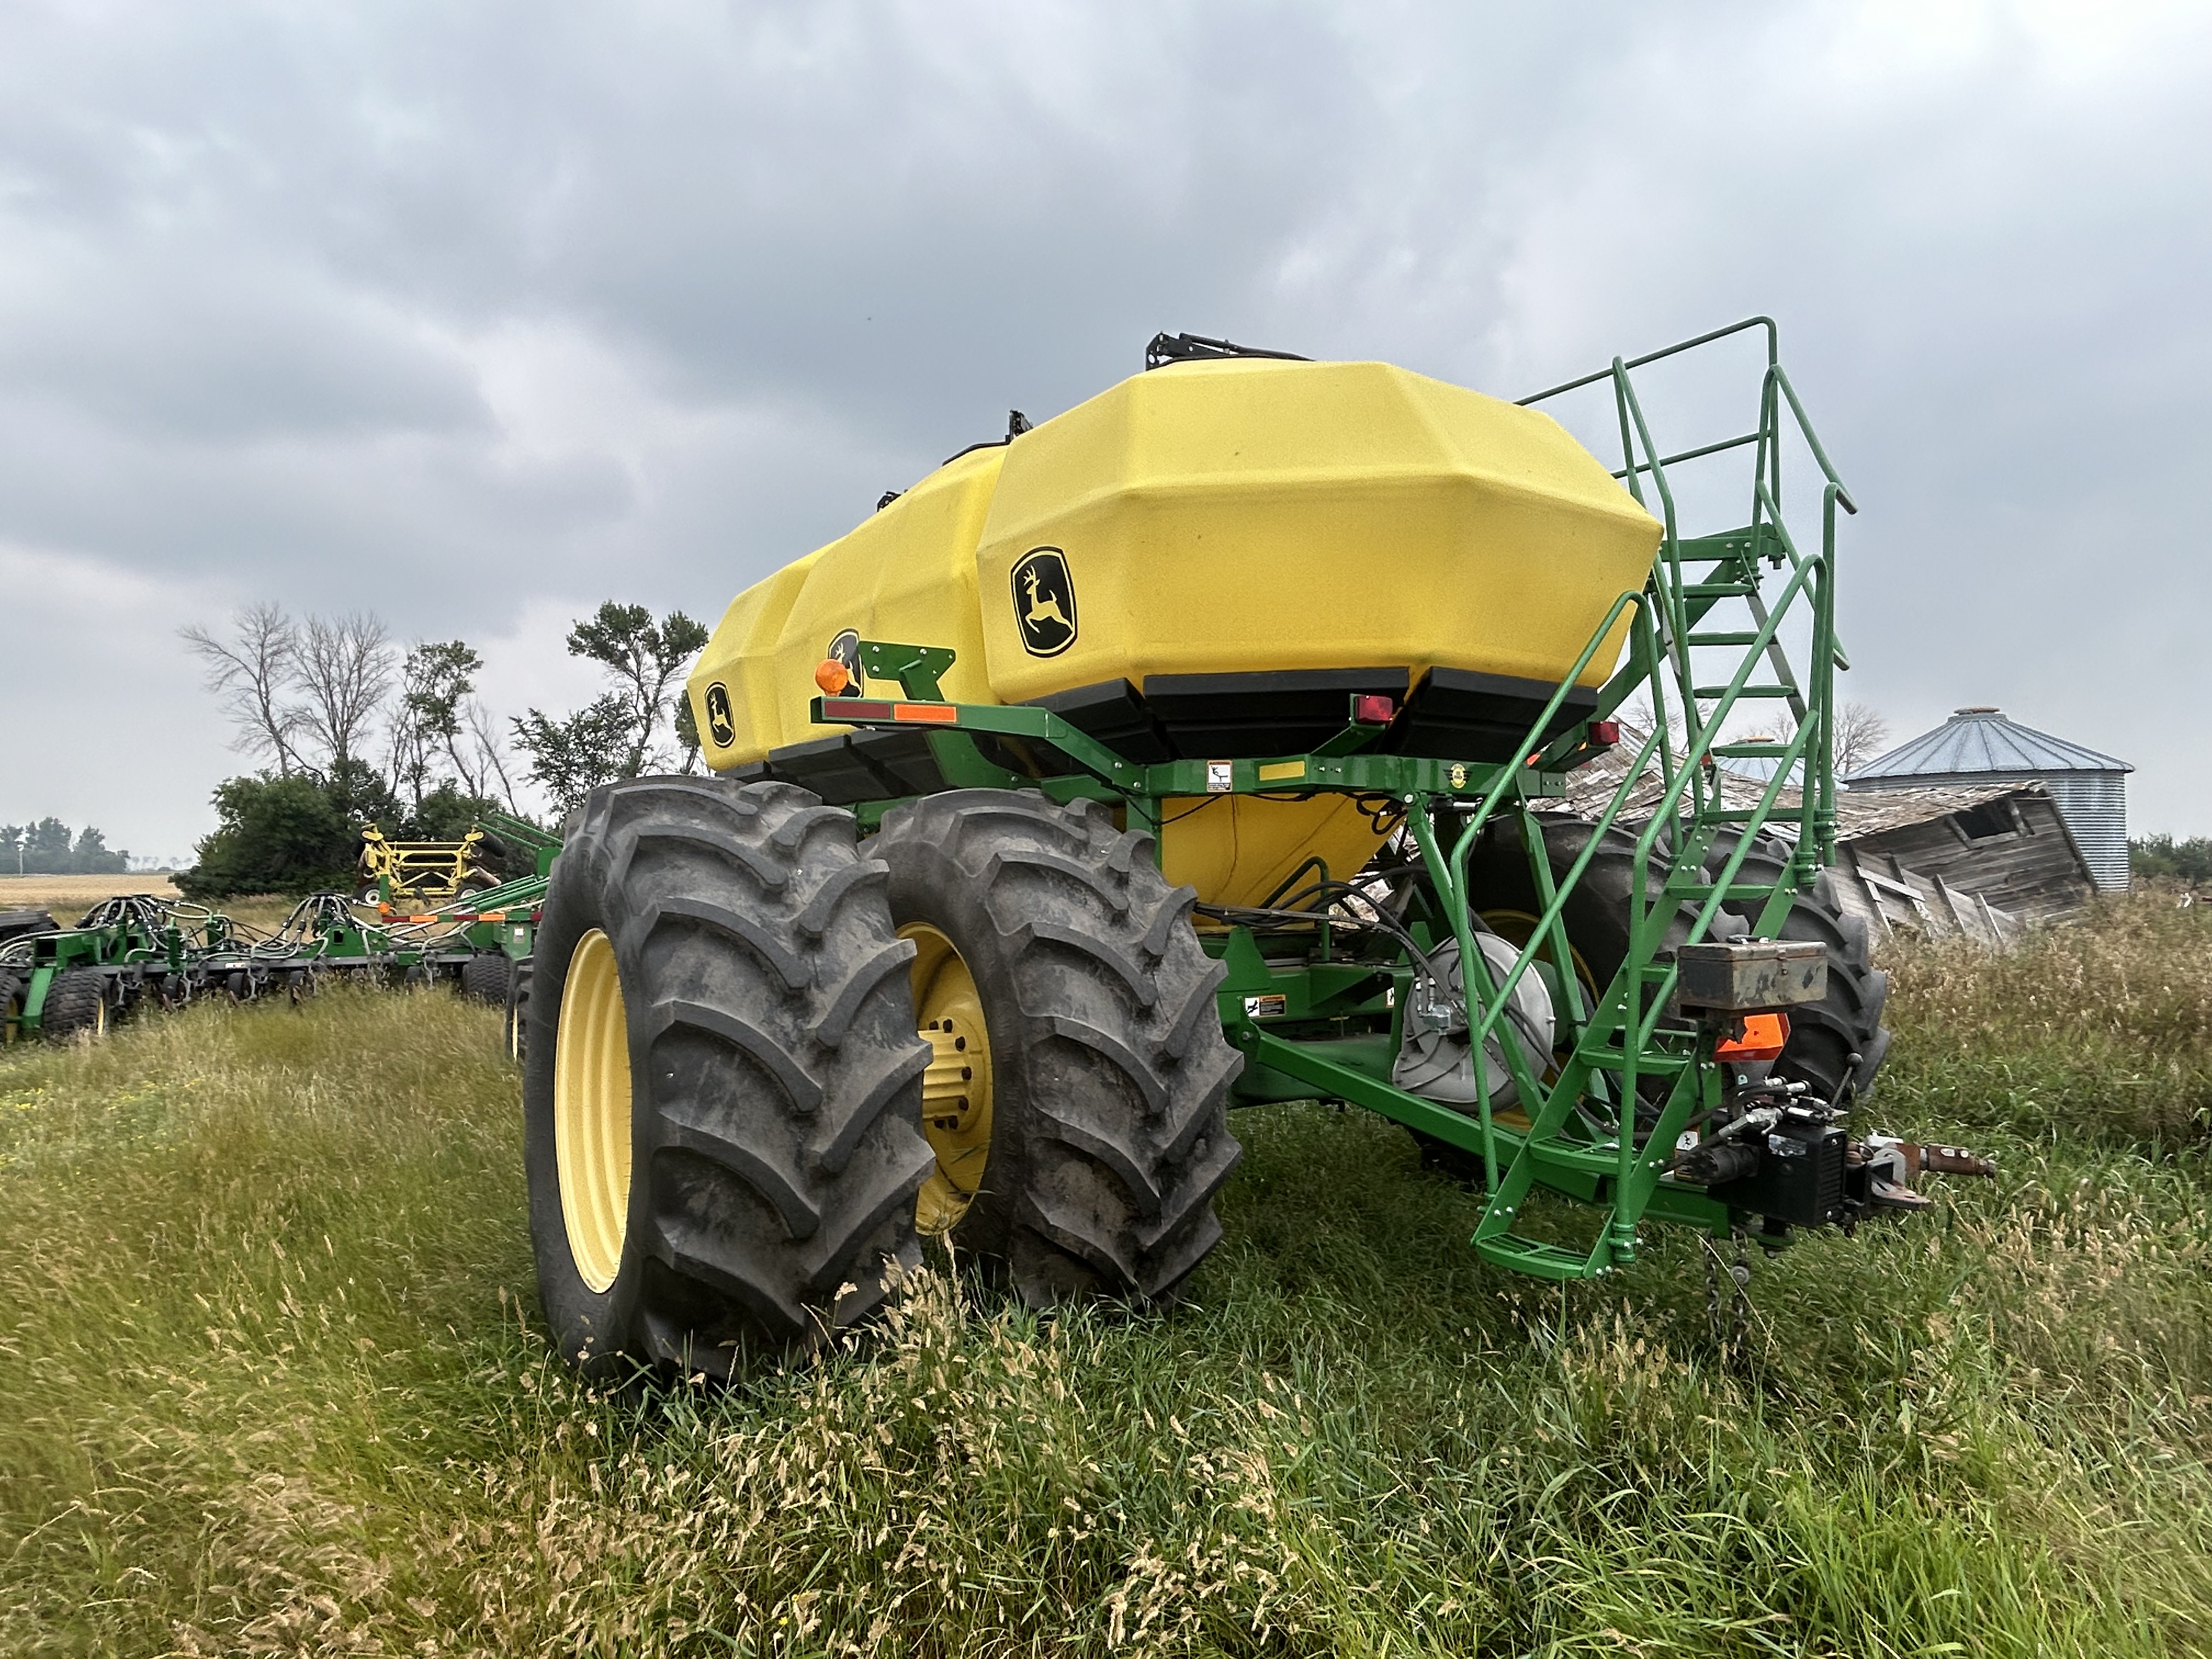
(1983, 861)
(1980, 861)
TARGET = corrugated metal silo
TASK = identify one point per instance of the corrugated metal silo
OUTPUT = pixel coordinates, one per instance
(1980, 745)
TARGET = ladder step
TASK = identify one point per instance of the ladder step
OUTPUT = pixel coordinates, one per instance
(1651, 1065)
(1558, 1154)
(1742, 892)
(1747, 691)
(1747, 751)
(1718, 590)
(1722, 639)
(1530, 1256)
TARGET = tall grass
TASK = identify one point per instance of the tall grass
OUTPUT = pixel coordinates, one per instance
(270, 1381)
(2105, 1029)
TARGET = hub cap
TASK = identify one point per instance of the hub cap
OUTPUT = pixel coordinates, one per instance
(592, 1112)
(956, 1089)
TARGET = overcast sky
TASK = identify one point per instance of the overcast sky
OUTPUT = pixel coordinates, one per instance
(477, 314)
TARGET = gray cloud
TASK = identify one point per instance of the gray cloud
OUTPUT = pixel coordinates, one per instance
(477, 315)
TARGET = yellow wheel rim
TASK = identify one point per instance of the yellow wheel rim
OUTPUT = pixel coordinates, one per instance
(591, 1111)
(1517, 927)
(956, 1091)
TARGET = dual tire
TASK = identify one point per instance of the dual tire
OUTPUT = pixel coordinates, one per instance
(78, 1003)
(488, 976)
(727, 1067)
(1108, 1074)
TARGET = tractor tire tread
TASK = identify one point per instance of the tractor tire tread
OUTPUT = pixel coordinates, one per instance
(775, 1074)
(1111, 1139)
(76, 1001)
(1847, 1021)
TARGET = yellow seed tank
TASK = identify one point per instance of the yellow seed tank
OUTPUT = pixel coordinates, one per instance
(1202, 561)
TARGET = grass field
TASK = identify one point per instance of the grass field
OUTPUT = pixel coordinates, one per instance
(270, 1382)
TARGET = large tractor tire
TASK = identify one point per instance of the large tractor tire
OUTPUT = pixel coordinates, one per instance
(723, 1091)
(1075, 1101)
(11, 1006)
(1824, 1035)
(1596, 915)
(77, 1003)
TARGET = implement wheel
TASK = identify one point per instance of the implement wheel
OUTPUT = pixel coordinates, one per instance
(76, 1001)
(1597, 913)
(485, 977)
(1075, 1095)
(722, 1095)
(11, 1007)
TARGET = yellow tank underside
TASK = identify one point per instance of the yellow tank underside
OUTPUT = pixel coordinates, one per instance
(1217, 518)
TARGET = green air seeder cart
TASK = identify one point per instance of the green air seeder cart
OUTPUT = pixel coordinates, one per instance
(1208, 744)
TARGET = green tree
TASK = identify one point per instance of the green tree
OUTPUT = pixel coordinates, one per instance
(446, 813)
(645, 659)
(360, 795)
(90, 856)
(2187, 860)
(283, 835)
(571, 757)
(302, 834)
(47, 848)
(617, 735)
(437, 717)
(47, 845)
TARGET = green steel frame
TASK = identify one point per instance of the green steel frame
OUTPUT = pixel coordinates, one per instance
(1323, 1024)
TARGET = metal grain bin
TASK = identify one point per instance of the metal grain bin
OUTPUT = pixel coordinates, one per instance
(1979, 745)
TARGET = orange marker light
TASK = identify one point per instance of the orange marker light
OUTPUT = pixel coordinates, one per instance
(833, 676)
(1761, 1038)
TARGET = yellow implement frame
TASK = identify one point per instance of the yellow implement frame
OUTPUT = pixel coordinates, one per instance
(421, 869)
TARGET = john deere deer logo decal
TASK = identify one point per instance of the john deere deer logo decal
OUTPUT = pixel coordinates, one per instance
(720, 725)
(1044, 602)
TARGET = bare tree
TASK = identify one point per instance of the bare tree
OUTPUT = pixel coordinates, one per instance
(343, 670)
(491, 760)
(1861, 734)
(253, 673)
